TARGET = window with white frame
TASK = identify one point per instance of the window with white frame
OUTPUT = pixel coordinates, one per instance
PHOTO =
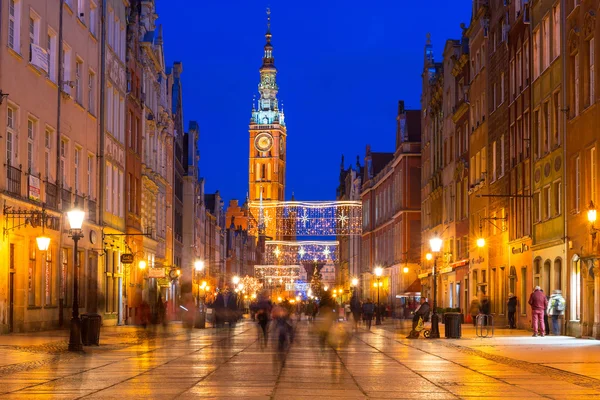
(593, 174)
(577, 186)
(576, 82)
(77, 169)
(14, 25)
(591, 70)
(11, 126)
(93, 18)
(546, 44)
(494, 169)
(556, 190)
(546, 125)
(47, 148)
(536, 207)
(31, 126)
(538, 133)
(78, 81)
(536, 53)
(51, 49)
(67, 53)
(63, 162)
(556, 118)
(90, 175)
(91, 85)
(81, 10)
(502, 156)
(556, 30)
(501, 87)
(547, 202)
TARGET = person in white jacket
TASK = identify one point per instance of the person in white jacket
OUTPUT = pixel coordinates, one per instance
(556, 308)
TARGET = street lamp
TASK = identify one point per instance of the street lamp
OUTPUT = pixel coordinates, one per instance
(591, 215)
(235, 280)
(378, 273)
(43, 242)
(75, 218)
(436, 246)
(354, 282)
(480, 242)
(142, 264)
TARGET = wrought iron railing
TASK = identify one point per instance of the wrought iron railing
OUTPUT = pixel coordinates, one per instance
(65, 196)
(51, 196)
(13, 180)
(91, 211)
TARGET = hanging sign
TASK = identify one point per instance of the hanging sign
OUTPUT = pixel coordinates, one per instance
(126, 258)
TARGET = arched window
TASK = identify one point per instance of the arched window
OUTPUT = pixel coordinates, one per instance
(557, 274)
(512, 281)
(546, 278)
(575, 288)
(537, 272)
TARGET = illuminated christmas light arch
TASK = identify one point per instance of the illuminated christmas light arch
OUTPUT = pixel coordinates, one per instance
(280, 252)
(305, 218)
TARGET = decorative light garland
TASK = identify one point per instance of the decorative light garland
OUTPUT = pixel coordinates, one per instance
(293, 252)
(305, 218)
(271, 275)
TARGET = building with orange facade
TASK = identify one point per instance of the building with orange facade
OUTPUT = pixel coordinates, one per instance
(391, 236)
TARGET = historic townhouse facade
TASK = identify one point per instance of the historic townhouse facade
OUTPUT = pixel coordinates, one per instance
(520, 277)
(459, 66)
(498, 96)
(432, 162)
(49, 77)
(391, 204)
(582, 279)
(547, 140)
(349, 248)
(479, 178)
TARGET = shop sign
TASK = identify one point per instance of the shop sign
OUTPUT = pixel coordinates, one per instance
(127, 258)
(156, 273)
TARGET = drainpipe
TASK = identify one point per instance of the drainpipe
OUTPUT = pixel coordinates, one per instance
(564, 58)
(58, 111)
(100, 156)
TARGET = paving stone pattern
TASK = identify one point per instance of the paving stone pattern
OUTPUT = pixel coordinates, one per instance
(158, 363)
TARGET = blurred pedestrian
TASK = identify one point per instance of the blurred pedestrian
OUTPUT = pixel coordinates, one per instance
(512, 309)
(347, 311)
(539, 304)
(485, 309)
(355, 308)
(556, 308)
(474, 310)
(546, 324)
(368, 309)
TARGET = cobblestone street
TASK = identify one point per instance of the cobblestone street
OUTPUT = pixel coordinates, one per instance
(176, 363)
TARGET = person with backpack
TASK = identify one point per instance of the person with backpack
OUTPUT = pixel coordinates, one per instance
(556, 308)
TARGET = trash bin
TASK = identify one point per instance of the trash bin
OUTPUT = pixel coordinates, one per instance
(90, 329)
(452, 324)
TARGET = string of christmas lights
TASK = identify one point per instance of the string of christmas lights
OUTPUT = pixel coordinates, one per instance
(301, 218)
(294, 252)
(277, 274)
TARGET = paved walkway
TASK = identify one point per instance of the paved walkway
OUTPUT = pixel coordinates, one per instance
(134, 363)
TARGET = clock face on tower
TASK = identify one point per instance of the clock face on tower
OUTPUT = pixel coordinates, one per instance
(263, 141)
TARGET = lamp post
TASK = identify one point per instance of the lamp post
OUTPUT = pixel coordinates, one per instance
(436, 245)
(378, 273)
(200, 319)
(75, 217)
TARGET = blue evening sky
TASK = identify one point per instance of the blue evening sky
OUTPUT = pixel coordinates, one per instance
(342, 67)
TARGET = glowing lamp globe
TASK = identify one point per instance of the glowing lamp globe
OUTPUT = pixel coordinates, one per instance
(142, 264)
(76, 218)
(591, 214)
(354, 282)
(480, 242)
(378, 271)
(43, 242)
(199, 265)
(405, 270)
(436, 244)
(428, 256)
(235, 280)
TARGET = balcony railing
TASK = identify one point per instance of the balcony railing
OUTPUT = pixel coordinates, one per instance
(65, 196)
(13, 180)
(51, 196)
